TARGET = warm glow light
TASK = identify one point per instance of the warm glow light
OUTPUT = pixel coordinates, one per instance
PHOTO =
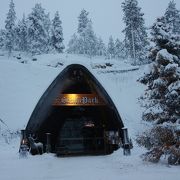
(78, 100)
(72, 97)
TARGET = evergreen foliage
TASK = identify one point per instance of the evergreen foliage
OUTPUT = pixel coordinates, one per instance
(48, 26)
(57, 34)
(135, 32)
(21, 38)
(37, 31)
(172, 16)
(163, 95)
(2, 38)
(100, 47)
(86, 41)
(111, 48)
(83, 21)
(119, 49)
(89, 41)
(73, 45)
(10, 27)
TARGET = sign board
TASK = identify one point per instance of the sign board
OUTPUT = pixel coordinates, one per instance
(78, 100)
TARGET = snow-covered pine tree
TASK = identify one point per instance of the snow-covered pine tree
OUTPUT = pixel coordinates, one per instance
(57, 34)
(136, 40)
(172, 16)
(163, 95)
(21, 40)
(73, 45)
(86, 41)
(89, 40)
(47, 26)
(111, 48)
(101, 48)
(119, 49)
(10, 28)
(2, 38)
(83, 21)
(37, 31)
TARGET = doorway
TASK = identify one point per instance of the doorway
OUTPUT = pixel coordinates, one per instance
(81, 134)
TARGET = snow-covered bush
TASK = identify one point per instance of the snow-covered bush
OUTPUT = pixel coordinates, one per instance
(6, 135)
(161, 140)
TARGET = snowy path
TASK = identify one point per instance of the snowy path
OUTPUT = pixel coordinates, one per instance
(110, 167)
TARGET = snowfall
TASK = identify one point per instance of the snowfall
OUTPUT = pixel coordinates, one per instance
(22, 82)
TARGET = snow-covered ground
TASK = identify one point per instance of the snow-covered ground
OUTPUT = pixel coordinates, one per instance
(21, 86)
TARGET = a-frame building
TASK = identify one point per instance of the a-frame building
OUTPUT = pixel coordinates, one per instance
(78, 113)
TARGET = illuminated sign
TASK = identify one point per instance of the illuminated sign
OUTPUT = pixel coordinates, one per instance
(78, 100)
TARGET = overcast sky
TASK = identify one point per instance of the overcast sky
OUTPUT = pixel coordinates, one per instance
(106, 15)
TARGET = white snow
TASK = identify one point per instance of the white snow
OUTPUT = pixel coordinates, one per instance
(164, 54)
(159, 82)
(21, 86)
(174, 86)
(171, 67)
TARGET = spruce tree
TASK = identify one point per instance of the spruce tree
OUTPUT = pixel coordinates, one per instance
(83, 21)
(89, 41)
(85, 41)
(37, 31)
(119, 49)
(22, 35)
(10, 27)
(163, 95)
(111, 48)
(47, 26)
(135, 32)
(57, 34)
(2, 38)
(101, 48)
(172, 16)
(73, 45)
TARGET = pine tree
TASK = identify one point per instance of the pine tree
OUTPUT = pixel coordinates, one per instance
(111, 48)
(22, 35)
(73, 45)
(135, 32)
(2, 38)
(47, 26)
(57, 34)
(163, 95)
(101, 48)
(172, 16)
(89, 41)
(37, 31)
(85, 42)
(83, 21)
(119, 49)
(10, 27)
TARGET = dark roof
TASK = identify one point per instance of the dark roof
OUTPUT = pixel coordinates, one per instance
(64, 83)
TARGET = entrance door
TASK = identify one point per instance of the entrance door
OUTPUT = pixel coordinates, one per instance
(70, 138)
(80, 136)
